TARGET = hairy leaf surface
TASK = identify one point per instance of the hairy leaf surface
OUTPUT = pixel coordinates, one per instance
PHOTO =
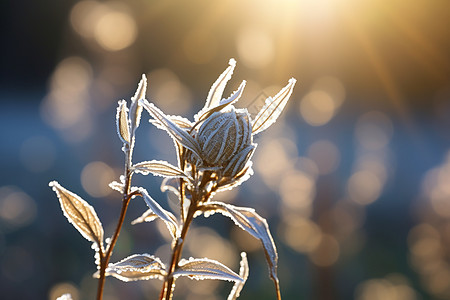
(174, 130)
(168, 218)
(273, 108)
(243, 273)
(123, 127)
(205, 268)
(250, 221)
(216, 91)
(147, 216)
(82, 216)
(137, 267)
(135, 107)
(160, 168)
(224, 102)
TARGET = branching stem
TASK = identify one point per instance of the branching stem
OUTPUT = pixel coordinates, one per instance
(167, 289)
(105, 257)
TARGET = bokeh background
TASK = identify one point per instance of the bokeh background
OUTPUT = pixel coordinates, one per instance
(354, 179)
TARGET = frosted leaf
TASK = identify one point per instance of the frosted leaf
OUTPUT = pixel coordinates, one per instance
(216, 91)
(135, 107)
(122, 122)
(136, 267)
(222, 103)
(65, 297)
(174, 130)
(117, 186)
(80, 214)
(168, 218)
(160, 168)
(273, 108)
(172, 185)
(147, 216)
(205, 268)
(250, 221)
(243, 273)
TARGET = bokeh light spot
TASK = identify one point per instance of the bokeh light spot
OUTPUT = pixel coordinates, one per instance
(364, 187)
(17, 209)
(115, 31)
(317, 108)
(326, 156)
(96, 177)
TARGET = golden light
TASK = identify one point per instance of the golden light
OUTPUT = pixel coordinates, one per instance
(364, 187)
(200, 46)
(64, 288)
(168, 92)
(255, 47)
(109, 24)
(317, 108)
(17, 209)
(327, 252)
(301, 234)
(115, 30)
(95, 178)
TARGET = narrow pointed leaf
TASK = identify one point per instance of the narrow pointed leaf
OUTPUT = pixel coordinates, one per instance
(168, 218)
(243, 273)
(136, 108)
(160, 168)
(205, 268)
(147, 216)
(250, 221)
(137, 267)
(273, 108)
(82, 216)
(123, 128)
(174, 130)
(216, 91)
(224, 102)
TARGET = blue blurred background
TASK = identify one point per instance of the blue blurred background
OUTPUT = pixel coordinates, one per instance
(354, 179)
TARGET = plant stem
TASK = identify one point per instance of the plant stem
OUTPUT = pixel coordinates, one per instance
(167, 289)
(104, 258)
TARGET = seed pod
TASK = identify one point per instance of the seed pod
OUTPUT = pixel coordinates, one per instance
(239, 161)
(223, 135)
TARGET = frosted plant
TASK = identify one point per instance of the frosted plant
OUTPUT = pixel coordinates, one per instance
(214, 154)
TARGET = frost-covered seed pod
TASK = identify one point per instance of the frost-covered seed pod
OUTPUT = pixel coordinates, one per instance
(223, 136)
(239, 161)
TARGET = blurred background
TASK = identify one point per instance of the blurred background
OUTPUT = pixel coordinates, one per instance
(354, 179)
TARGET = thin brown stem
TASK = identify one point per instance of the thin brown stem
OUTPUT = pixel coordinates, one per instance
(104, 258)
(167, 289)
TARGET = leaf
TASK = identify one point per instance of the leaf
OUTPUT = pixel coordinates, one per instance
(205, 268)
(273, 108)
(168, 218)
(243, 273)
(135, 107)
(250, 221)
(147, 216)
(117, 186)
(160, 168)
(216, 91)
(174, 131)
(80, 214)
(224, 102)
(136, 267)
(123, 128)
